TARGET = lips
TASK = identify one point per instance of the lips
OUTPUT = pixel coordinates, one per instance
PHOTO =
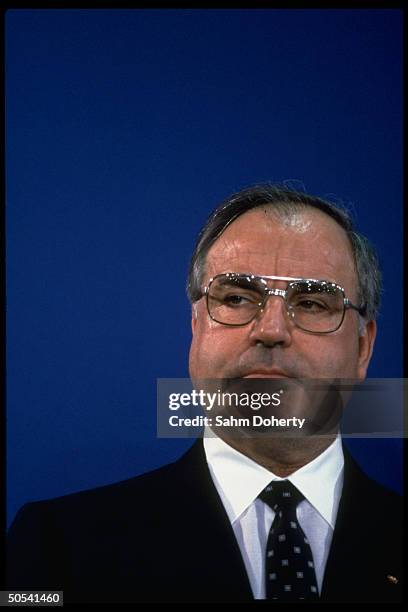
(263, 373)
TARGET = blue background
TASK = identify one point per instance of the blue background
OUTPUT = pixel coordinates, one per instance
(124, 128)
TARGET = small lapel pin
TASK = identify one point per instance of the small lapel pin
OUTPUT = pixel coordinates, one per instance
(392, 579)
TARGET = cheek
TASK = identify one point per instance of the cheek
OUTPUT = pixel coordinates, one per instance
(212, 347)
(331, 356)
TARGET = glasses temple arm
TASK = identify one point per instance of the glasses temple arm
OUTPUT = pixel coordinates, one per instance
(362, 310)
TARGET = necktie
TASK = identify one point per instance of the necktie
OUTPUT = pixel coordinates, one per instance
(289, 567)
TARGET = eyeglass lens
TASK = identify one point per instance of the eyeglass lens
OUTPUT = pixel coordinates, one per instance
(314, 305)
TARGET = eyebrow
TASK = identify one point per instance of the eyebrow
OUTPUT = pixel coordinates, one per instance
(314, 284)
(240, 281)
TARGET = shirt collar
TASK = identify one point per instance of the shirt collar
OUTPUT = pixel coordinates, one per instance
(239, 479)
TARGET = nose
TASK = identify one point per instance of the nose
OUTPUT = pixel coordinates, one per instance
(272, 325)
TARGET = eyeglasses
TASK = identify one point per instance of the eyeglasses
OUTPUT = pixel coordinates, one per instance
(316, 306)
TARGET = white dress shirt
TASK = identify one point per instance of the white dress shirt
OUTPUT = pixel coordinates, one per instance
(239, 481)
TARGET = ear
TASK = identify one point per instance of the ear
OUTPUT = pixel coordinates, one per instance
(366, 345)
(193, 317)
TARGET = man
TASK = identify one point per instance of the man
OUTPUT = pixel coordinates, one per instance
(281, 287)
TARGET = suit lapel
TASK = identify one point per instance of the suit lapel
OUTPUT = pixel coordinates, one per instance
(220, 566)
(357, 566)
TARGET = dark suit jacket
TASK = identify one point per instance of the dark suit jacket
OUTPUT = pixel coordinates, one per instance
(165, 536)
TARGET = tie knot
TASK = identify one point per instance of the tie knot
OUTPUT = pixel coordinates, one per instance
(281, 494)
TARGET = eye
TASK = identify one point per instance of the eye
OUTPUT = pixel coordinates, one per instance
(310, 305)
(236, 300)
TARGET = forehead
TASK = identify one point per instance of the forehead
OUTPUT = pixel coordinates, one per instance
(308, 244)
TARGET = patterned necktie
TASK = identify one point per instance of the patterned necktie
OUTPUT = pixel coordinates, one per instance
(289, 567)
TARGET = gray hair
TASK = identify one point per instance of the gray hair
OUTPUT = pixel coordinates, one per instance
(287, 202)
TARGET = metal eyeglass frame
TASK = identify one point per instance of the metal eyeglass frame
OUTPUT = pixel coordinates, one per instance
(283, 294)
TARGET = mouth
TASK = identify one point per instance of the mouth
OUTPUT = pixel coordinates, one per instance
(266, 374)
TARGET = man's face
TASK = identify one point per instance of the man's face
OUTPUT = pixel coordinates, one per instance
(312, 245)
